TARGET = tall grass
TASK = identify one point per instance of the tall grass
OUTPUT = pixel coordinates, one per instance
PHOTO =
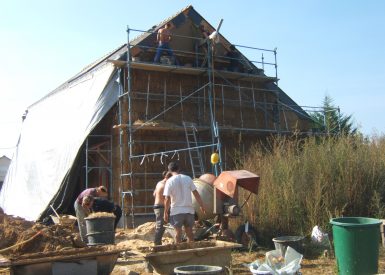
(306, 182)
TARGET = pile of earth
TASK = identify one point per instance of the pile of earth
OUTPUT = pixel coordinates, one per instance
(142, 236)
(18, 237)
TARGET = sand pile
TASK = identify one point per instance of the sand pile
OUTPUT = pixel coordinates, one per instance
(142, 236)
(18, 236)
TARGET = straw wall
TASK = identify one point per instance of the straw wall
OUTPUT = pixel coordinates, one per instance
(244, 110)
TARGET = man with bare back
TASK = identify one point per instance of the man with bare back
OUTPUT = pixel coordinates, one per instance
(163, 39)
(159, 208)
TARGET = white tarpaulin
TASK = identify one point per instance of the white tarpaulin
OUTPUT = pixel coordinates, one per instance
(51, 136)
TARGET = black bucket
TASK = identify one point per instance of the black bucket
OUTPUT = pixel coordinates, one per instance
(295, 242)
(198, 269)
(100, 230)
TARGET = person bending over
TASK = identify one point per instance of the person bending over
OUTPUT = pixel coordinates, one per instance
(83, 207)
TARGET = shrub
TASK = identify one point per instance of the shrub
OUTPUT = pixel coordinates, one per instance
(305, 182)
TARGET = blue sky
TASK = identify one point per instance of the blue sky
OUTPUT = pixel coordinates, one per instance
(325, 47)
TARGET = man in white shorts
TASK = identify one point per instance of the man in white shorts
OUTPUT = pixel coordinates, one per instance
(178, 200)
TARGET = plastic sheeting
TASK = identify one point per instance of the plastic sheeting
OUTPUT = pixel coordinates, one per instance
(51, 136)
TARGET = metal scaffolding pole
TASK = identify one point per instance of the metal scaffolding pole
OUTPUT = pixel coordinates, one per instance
(123, 157)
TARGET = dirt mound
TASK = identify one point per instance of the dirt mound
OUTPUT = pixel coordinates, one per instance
(142, 236)
(18, 236)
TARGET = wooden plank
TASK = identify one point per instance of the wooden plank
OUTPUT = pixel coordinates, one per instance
(158, 67)
(246, 76)
(218, 246)
(73, 256)
(118, 63)
(193, 71)
(4, 262)
(150, 127)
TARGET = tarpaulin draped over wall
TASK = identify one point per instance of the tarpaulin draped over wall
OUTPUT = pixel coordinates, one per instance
(51, 136)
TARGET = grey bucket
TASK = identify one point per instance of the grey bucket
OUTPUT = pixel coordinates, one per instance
(198, 269)
(100, 230)
(295, 242)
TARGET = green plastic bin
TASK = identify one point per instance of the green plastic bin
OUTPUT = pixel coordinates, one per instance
(356, 244)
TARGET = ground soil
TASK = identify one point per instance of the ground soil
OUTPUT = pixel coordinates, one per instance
(24, 239)
(319, 265)
(19, 237)
(142, 238)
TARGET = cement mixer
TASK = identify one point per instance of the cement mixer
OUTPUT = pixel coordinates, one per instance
(220, 195)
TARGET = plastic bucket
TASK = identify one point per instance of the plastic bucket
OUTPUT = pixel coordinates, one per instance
(356, 244)
(100, 230)
(295, 242)
(198, 269)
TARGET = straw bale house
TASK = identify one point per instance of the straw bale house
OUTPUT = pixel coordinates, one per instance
(141, 115)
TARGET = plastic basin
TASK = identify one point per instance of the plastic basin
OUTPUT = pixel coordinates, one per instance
(295, 242)
(198, 269)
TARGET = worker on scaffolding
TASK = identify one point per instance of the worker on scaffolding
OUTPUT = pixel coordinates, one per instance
(178, 200)
(203, 43)
(163, 39)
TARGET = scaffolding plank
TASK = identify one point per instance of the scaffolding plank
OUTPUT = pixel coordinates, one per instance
(247, 76)
(193, 71)
(159, 67)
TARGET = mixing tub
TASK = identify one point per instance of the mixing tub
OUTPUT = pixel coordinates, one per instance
(164, 262)
(74, 262)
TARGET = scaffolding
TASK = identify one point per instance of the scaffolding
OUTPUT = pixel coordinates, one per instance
(98, 161)
(211, 97)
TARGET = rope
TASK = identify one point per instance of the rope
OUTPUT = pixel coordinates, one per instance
(246, 201)
(20, 243)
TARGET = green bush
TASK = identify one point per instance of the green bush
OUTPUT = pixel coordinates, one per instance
(305, 182)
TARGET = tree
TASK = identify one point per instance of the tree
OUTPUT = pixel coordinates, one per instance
(331, 121)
